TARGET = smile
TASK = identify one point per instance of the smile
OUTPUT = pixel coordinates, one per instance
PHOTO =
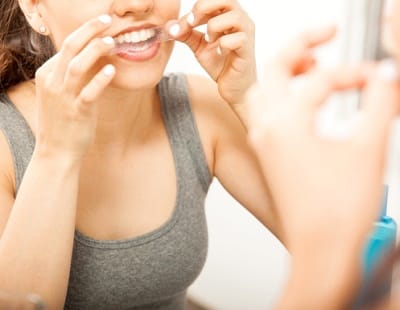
(140, 45)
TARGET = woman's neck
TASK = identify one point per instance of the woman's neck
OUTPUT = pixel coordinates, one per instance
(125, 117)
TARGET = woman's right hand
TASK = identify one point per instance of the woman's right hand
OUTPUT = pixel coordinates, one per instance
(67, 87)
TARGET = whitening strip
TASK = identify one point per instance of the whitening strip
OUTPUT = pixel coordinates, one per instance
(155, 34)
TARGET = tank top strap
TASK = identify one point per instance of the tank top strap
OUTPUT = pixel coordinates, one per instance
(182, 129)
(19, 136)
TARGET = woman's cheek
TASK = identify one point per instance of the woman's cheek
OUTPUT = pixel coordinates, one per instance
(169, 9)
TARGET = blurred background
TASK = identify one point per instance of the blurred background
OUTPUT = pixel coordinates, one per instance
(247, 266)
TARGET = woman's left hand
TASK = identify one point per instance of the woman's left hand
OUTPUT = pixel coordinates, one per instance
(226, 51)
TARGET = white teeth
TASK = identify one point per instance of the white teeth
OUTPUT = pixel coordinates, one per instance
(136, 36)
(143, 35)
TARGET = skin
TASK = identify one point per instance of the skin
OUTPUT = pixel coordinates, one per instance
(331, 181)
(391, 28)
(91, 124)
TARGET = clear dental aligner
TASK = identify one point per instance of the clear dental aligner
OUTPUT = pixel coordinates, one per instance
(155, 34)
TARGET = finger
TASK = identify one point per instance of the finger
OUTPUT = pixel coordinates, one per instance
(294, 59)
(77, 40)
(84, 61)
(181, 31)
(96, 86)
(381, 100)
(238, 43)
(46, 70)
(307, 64)
(320, 85)
(291, 57)
(203, 10)
(230, 22)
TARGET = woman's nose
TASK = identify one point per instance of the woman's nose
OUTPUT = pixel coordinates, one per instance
(133, 7)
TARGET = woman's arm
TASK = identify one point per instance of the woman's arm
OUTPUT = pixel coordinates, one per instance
(232, 160)
(38, 227)
(226, 53)
(38, 230)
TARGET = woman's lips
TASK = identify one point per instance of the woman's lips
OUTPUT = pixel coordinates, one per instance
(140, 45)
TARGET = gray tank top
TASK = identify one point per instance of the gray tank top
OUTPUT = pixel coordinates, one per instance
(152, 271)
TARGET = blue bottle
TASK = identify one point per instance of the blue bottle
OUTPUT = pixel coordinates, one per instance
(380, 242)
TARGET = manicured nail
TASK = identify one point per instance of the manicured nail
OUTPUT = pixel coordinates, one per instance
(388, 70)
(105, 19)
(174, 30)
(207, 38)
(190, 19)
(109, 70)
(108, 40)
(219, 51)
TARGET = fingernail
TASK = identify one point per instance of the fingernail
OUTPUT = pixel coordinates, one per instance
(108, 40)
(174, 30)
(207, 38)
(109, 70)
(219, 51)
(388, 70)
(105, 19)
(190, 19)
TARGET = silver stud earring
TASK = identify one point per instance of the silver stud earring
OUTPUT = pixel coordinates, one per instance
(42, 29)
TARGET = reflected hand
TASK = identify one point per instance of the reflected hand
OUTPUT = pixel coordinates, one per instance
(327, 191)
(319, 181)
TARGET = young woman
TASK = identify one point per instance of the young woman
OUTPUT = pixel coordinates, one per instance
(106, 163)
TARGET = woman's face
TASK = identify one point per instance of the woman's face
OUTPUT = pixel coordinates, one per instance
(391, 28)
(141, 70)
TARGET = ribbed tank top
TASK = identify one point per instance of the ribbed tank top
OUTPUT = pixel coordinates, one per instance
(154, 270)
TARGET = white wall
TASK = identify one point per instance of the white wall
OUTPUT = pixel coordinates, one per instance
(246, 267)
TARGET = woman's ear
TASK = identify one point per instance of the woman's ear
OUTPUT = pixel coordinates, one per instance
(30, 8)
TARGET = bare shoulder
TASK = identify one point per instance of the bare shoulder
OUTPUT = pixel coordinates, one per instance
(204, 94)
(212, 110)
(214, 117)
(203, 89)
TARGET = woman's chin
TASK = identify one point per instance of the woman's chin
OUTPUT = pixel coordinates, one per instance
(137, 75)
(137, 80)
